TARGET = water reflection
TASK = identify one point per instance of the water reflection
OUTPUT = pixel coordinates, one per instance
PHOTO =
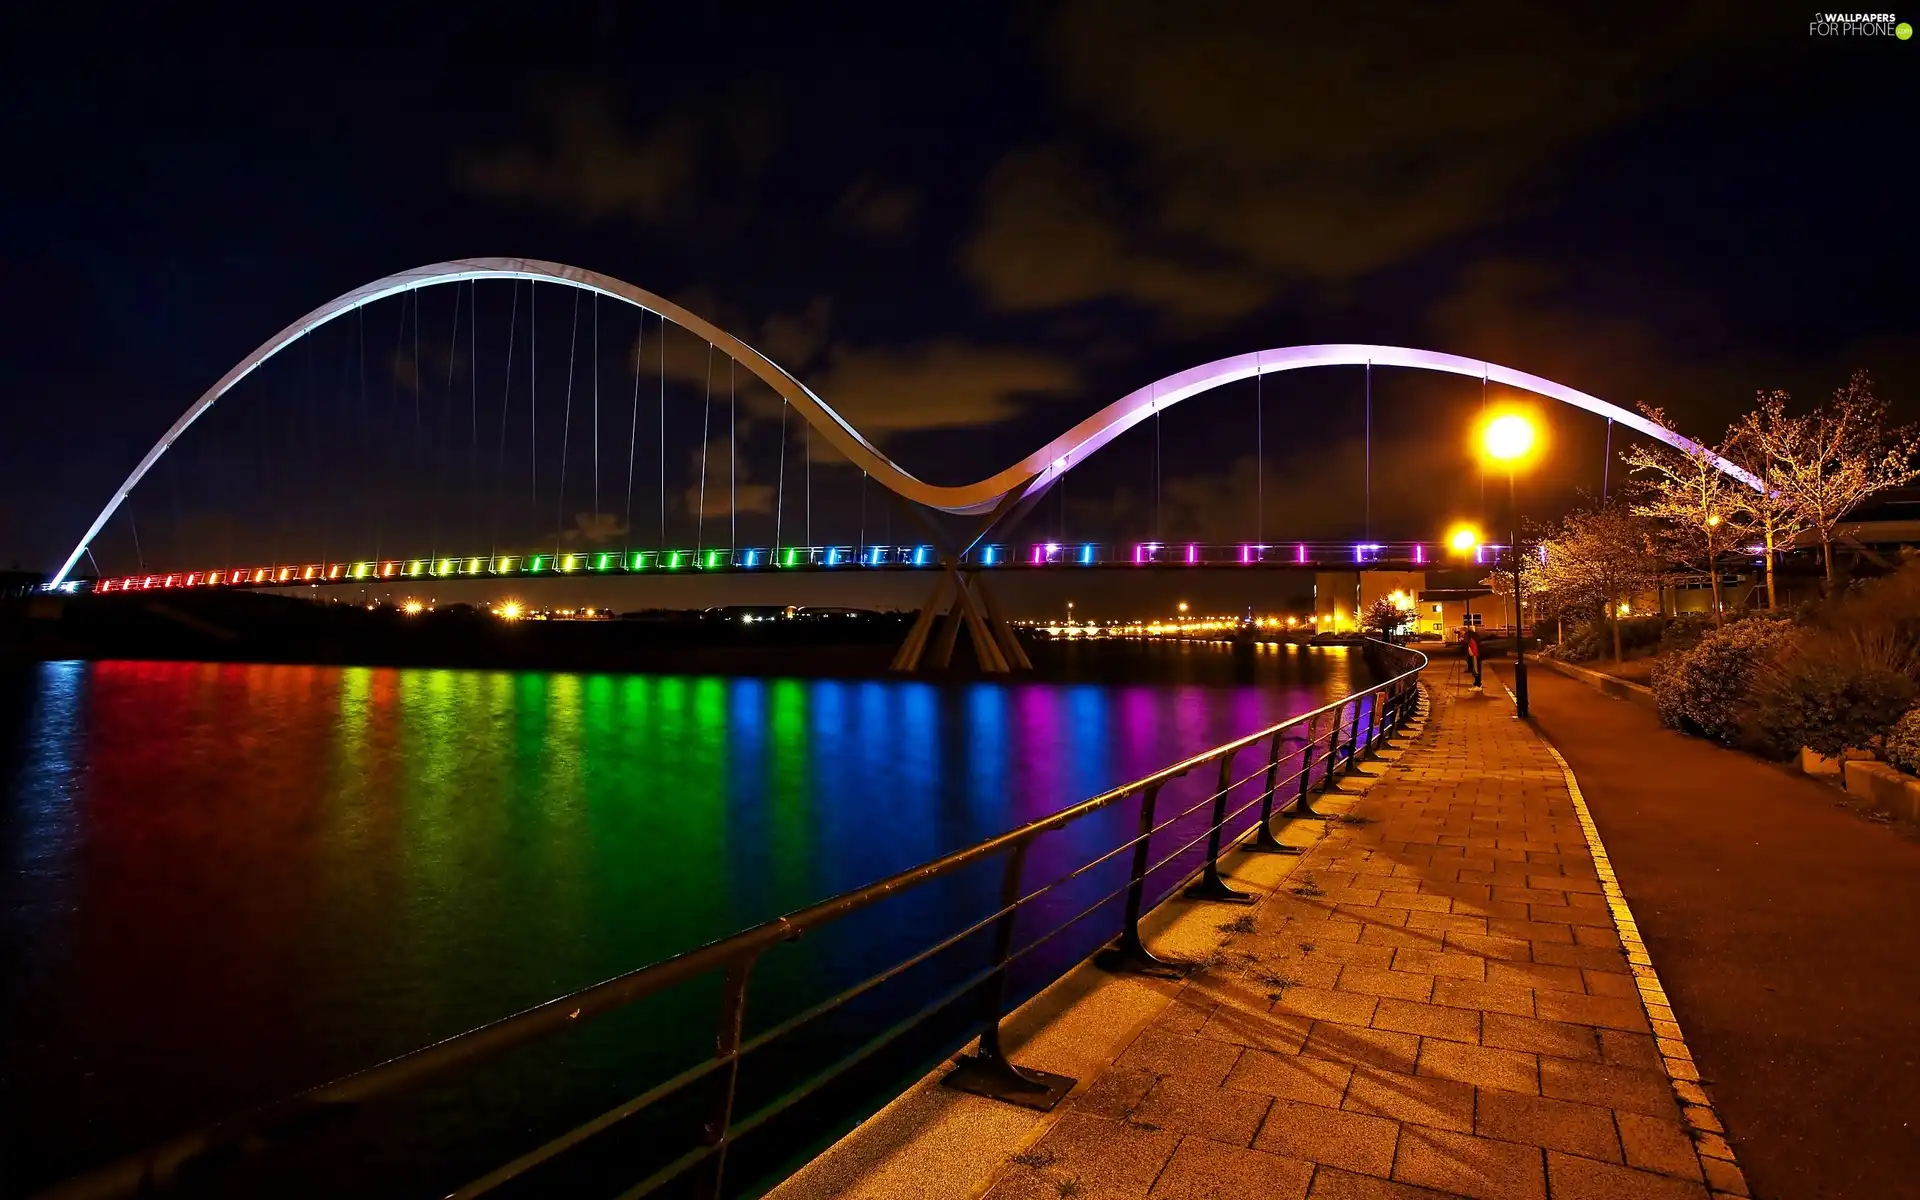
(225, 882)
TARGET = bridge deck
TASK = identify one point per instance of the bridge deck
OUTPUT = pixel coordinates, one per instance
(1056, 556)
(1437, 997)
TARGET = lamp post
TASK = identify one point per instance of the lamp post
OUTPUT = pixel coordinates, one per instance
(1508, 440)
(1462, 540)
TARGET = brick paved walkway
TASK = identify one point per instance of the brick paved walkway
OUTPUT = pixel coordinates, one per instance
(1434, 1003)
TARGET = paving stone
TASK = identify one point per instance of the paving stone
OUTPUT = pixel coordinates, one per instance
(1487, 997)
(1583, 1129)
(1469, 1166)
(1428, 1020)
(1724, 1178)
(1207, 1170)
(1624, 1088)
(1363, 1047)
(1624, 1049)
(1592, 1010)
(1482, 1066)
(1603, 983)
(1100, 1154)
(1415, 1099)
(1539, 1037)
(1378, 981)
(1541, 977)
(1574, 1178)
(1313, 1080)
(1114, 1092)
(1280, 1031)
(1202, 1060)
(1439, 962)
(1332, 1184)
(1488, 945)
(1348, 1140)
(1590, 958)
(1193, 1109)
(1327, 1004)
(1655, 1145)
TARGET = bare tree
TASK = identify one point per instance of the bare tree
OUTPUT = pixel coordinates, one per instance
(1826, 462)
(1702, 509)
(1773, 511)
(1599, 559)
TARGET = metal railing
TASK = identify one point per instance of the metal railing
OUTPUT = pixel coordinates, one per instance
(1303, 755)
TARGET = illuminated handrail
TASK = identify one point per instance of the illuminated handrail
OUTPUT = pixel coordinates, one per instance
(1359, 723)
(833, 557)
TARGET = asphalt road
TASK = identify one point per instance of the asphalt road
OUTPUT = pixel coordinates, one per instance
(1785, 927)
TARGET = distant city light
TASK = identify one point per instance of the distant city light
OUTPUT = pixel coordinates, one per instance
(508, 610)
(413, 608)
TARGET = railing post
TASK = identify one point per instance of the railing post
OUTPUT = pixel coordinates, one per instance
(1211, 886)
(726, 1047)
(1303, 805)
(1265, 840)
(989, 1073)
(1130, 953)
(1333, 747)
(1353, 735)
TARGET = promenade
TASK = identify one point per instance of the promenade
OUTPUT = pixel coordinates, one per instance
(1781, 920)
(1434, 1000)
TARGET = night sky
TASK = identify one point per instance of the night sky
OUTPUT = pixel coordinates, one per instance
(966, 233)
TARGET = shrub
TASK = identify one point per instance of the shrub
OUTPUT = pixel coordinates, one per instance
(1902, 746)
(1705, 690)
(1825, 704)
(1684, 632)
(1593, 639)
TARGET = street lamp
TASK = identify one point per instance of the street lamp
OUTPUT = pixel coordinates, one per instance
(1509, 439)
(1463, 540)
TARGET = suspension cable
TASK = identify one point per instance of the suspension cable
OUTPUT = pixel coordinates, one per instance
(1260, 457)
(533, 396)
(473, 388)
(446, 425)
(1368, 520)
(706, 409)
(566, 432)
(633, 431)
(733, 487)
(1606, 461)
(596, 405)
(1156, 469)
(780, 487)
(506, 396)
(809, 453)
(663, 433)
(861, 547)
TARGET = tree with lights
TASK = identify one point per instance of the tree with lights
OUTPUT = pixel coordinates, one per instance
(1825, 463)
(1772, 510)
(1598, 560)
(1702, 510)
(1386, 616)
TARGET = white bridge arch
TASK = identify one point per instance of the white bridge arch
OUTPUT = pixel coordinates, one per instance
(999, 492)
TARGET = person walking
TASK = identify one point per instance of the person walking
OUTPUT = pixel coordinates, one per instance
(1473, 654)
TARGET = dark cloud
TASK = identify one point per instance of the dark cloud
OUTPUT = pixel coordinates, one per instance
(1048, 238)
(946, 384)
(579, 156)
(1253, 147)
(878, 208)
(729, 486)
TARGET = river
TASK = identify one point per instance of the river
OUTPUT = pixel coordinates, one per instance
(223, 883)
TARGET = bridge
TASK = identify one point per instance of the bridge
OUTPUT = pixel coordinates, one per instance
(995, 505)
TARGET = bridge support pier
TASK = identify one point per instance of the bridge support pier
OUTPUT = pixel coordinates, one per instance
(994, 645)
